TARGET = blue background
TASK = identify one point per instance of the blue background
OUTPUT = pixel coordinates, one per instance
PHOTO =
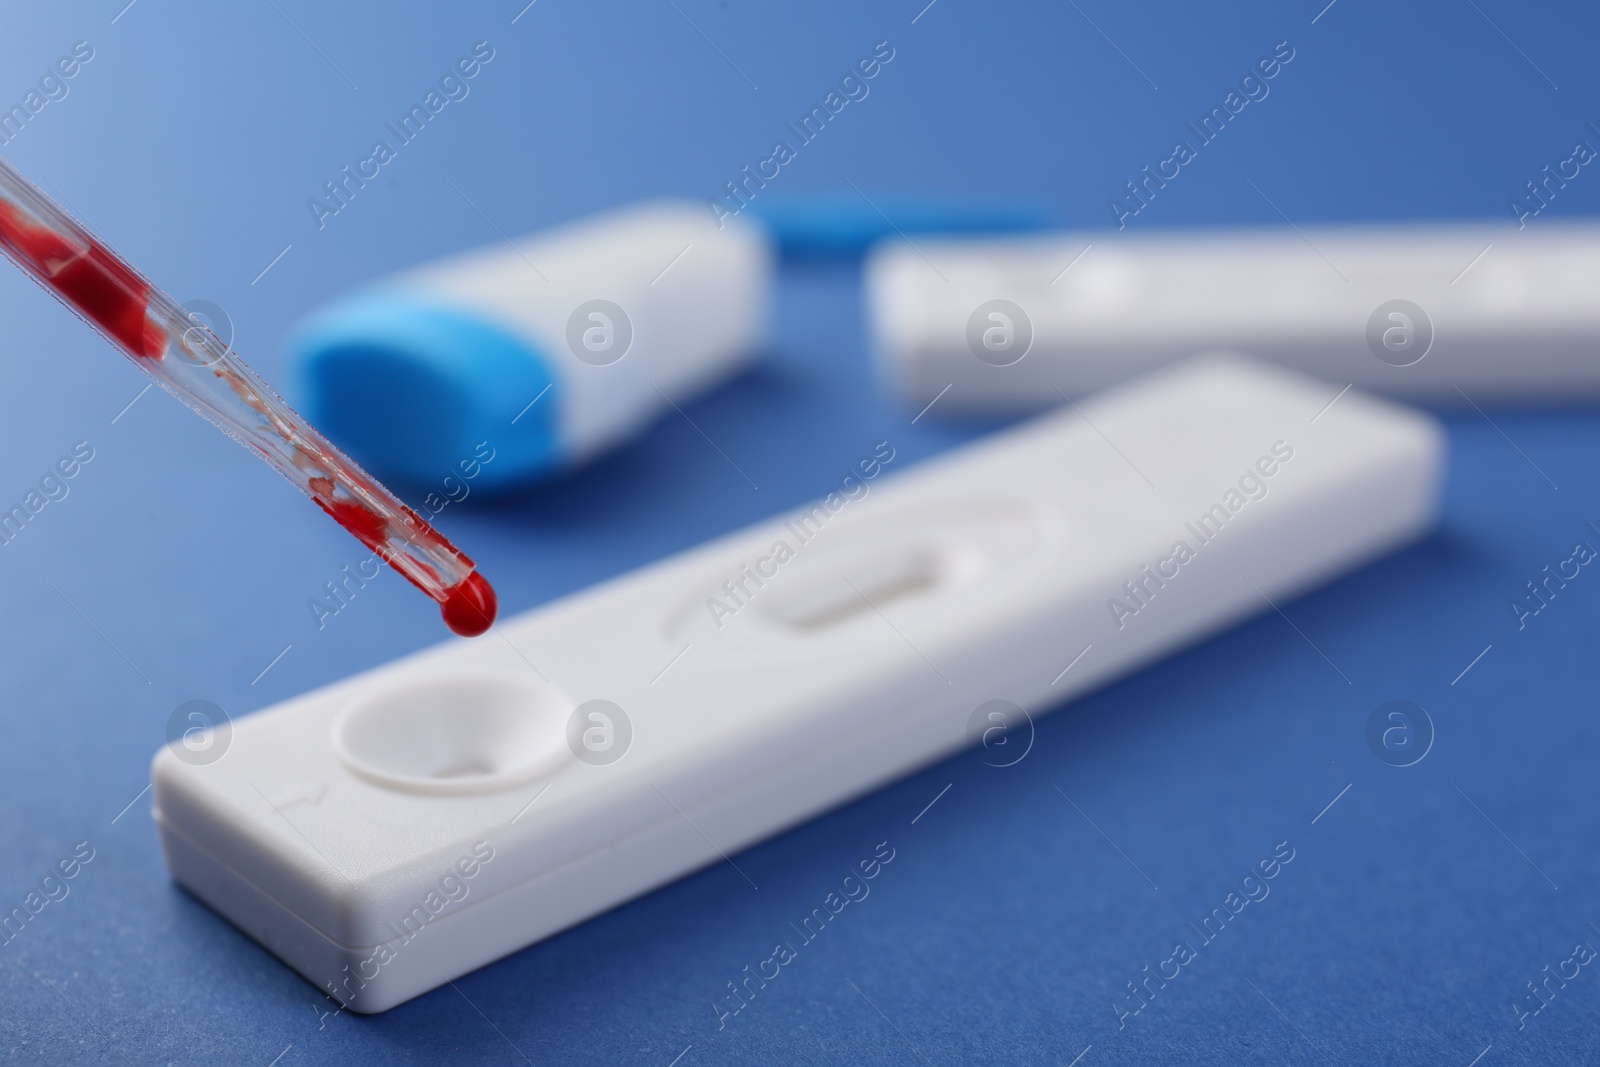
(1416, 907)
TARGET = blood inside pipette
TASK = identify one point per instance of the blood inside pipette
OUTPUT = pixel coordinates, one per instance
(92, 280)
(368, 526)
(109, 294)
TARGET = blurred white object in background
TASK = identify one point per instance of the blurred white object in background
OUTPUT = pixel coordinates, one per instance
(1441, 312)
(551, 349)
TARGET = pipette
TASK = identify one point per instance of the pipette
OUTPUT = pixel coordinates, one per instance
(189, 361)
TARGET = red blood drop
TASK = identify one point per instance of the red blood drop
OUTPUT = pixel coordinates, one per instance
(469, 607)
(100, 286)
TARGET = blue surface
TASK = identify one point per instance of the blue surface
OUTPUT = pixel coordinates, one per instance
(1004, 930)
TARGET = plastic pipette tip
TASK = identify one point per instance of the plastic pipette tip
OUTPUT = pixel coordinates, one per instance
(146, 325)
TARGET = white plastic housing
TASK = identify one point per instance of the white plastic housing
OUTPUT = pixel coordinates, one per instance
(1513, 314)
(908, 600)
(695, 295)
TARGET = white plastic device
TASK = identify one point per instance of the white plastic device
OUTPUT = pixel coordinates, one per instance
(554, 347)
(394, 830)
(1437, 312)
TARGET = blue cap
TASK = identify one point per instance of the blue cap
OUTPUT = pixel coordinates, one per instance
(410, 388)
(846, 224)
